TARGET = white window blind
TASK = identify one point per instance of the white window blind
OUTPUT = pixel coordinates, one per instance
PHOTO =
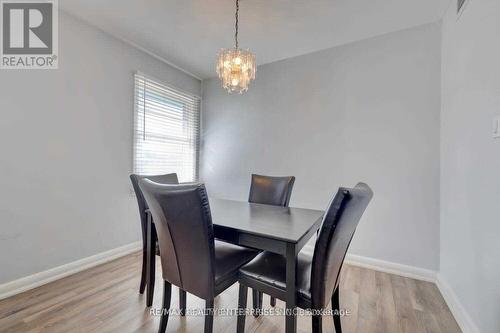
(166, 130)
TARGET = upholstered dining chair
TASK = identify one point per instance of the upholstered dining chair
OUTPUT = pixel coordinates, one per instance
(274, 191)
(317, 276)
(191, 257)
(169, 178)
(269, 190)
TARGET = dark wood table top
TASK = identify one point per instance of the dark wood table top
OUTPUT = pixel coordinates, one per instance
(281, 223)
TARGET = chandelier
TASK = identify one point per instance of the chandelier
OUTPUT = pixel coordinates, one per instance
(236, 67)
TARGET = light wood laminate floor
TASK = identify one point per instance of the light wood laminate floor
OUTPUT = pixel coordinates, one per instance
(106, 299)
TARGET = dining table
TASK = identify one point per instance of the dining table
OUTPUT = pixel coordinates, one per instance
(281, 230)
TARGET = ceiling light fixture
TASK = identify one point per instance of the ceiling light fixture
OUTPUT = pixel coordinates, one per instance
(236, 67)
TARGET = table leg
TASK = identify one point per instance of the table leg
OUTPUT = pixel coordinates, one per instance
(291, 292)
(151, 260)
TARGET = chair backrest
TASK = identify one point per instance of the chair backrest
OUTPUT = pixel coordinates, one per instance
(169, 178)
(338, 227)
(271, 190)
(183, 222)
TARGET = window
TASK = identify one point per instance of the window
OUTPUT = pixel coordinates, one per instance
(166, 130)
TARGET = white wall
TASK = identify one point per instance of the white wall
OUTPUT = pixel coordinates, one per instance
(470, 159)
(367, 111)
(66, 151)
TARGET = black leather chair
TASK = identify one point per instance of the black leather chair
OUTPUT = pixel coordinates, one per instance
(317, 276)
(191, 258)
(274, 191)
(268, 190)
(170, 178)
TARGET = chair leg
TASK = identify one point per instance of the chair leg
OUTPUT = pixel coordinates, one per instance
(151, 281)
(273, 301)
(209, 316)
(142, 287)
(242, 306)
(182, 302)
(261, 298)
(256, 302)
(167, 295)
(336, 311)
(151, 267)
(317, 324)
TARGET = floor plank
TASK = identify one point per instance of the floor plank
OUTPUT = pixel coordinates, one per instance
(106, 299)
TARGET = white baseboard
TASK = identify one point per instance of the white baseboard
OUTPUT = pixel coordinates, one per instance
(462, 317)
(32, 281)
(391, 267)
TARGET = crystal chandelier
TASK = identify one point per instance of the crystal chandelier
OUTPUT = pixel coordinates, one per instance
(236, 67)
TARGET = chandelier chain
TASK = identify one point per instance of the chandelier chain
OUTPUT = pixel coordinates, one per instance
(236, 25)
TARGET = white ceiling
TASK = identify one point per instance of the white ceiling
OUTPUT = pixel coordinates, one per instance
(189, 33)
